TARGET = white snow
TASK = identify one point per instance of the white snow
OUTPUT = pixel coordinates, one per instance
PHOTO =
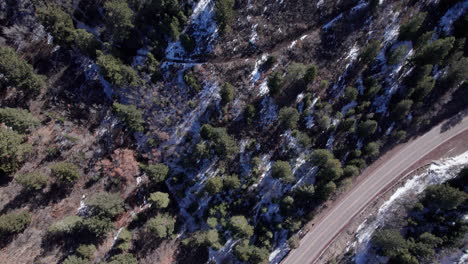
(269, 112)
(292, 44)
(320, 3)
(347, 107)
(333, 21)
(446, 22)
(438, 172)
(256, 74)
(254, 36)
(263, 88)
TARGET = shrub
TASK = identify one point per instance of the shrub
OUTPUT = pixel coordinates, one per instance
(321, 156)
(350, 94)
(310, 74)
(75, 260)
(294, 242)
(295, 72)
(305, 192)
(370, 51)
(331, 170)
(249, 113)
(240, 226)
(188, 43)
(106, 204)
(159, 199)
(232, 182)
(224, 14)
(66, 226)
(434, 52)
(86, 42)
(96, 226)
(275, 83)
(118, 19)
(130, 115)
(389, 242)
(123, 258)
(223, 144)
(444, 197)
(86, 251)
(156, 172)
(162, 225)
(32, 181)
(350, 171)
(208, 238)
(409, 30)
(115, 71)
(288, 117)
(65, 172)
(227, 93)
(367, 128)
(58, 23)
(124, 240)
(402, 109)
(18, 72)
(372, 149)
(397, 55)
(19, 119)
(13, 223)
(302, 139)
(282, 170)
(326, 191)
(192, 82)
(13, 151)
(214, 185)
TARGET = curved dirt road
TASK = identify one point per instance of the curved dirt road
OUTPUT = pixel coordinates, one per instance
(378, 179)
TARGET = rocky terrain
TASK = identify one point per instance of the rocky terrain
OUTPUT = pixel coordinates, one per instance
(180, 131)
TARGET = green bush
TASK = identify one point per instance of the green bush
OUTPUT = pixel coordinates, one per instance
(20, 120)
(444, 197)
(65, 172)
(397, 55)
(32, 181)
(250, 254)
(370, 51)
(321, 156)
(157, 173)
(275, 83)
(159, 199)
(223, 144)
(58, 23)
(351, 94)
(249, 114)
(224, 14)
(389, 242)
(282, 170)
(367, 128)
(372, 149)
(96, 226)
(192, 82)
(207, 238)
(422, 89)
(130, 115)
(288, 117)
(106, 204)
(118, 19)
(295, 72)
(123, 258)
(330, 171)
(13, 151)
(227, 93)
(18, 72)
(310, 74)
(187, 42)
(86, 251)
(350, 171)
(124, 240)
(302, 139)
(115, 71)
(66, 226)
(13, 223)
(86, 42)
(402, 109)
(75, 260)
(240, 226)
(214, 185)
(162, 225)
(409, 30)
(232, 182)
(434, 52)
(324, 192)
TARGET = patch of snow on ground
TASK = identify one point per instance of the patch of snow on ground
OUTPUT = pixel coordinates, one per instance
(278, 254)
(437, 173)
(218, 256)
(256, 74)
(254, 35)
(333, 21)
(263, 88)
(446, 22)
(320, 3)
(269, 112)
